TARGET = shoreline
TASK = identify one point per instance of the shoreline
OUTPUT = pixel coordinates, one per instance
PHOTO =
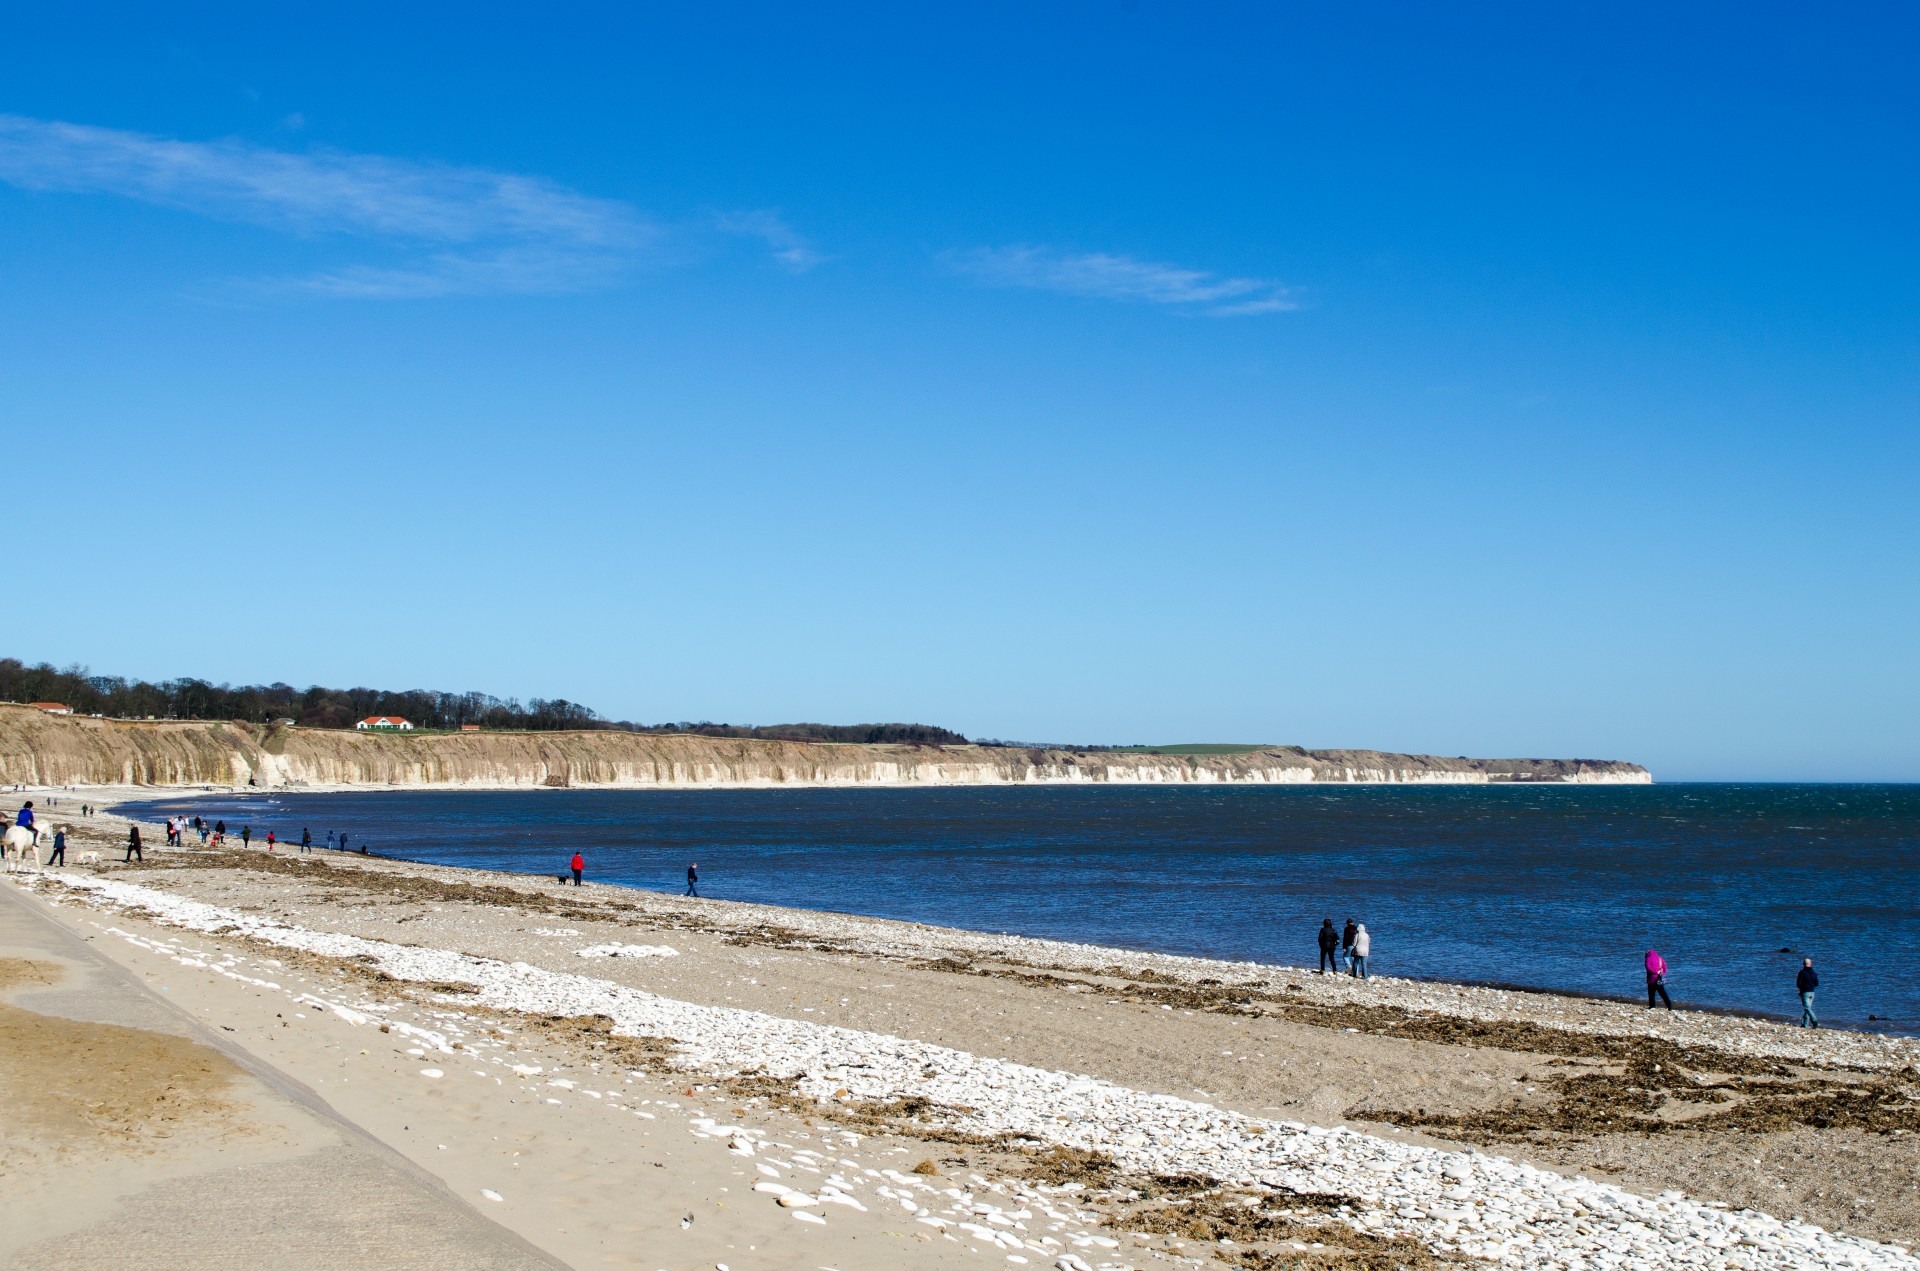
(137, 797)
(992, 1055)
(1606, 1012)
(1120, 950)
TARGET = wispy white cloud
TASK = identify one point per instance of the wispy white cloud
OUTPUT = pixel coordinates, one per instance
(786, 245)
(455, 229)
(1111, 277)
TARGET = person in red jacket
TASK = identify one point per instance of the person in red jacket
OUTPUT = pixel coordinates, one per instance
(579, 867)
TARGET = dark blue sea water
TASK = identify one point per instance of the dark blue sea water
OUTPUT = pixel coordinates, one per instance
(1554, 887)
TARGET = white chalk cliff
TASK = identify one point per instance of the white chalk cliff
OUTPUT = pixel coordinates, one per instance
(43, 749)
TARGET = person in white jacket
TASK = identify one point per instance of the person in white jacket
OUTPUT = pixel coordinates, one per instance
(1362, 947)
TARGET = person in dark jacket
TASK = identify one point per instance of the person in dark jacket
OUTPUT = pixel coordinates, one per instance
(59, 847)
(693, 879)
(133, 846)
(1346, 942)
(1807, 981)
(579, 867)
(246, 836)
(1329, 946)
(306, 840)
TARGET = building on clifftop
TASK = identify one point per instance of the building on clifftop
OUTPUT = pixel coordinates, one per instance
(386, 723)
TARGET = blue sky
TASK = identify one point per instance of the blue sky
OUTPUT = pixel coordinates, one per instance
(1522, 380)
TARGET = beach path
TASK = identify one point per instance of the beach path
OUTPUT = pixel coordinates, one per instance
(308, 1139)
(134, 1137)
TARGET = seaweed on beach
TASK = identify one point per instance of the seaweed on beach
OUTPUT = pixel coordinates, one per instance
(1517, 1036)
(1649, 1097)
(758, 1085)
(912, 1116)
(1058, 1166)
(593, 1035)
(770, 936)
(404, 886)
(449, 988)
(1184, 1204)
(1270, 1230)
(391, 883)
(1387, 1254)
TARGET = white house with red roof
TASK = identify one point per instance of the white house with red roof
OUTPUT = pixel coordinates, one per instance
(52, 708)
(386, 723)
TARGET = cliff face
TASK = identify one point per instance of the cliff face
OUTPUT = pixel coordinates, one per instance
(42, 749)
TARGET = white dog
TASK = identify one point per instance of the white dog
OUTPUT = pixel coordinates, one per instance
(88, 857)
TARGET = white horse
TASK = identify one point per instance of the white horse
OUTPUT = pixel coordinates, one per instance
(21, 843)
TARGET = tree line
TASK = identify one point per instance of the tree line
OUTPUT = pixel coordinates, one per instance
(316, 707)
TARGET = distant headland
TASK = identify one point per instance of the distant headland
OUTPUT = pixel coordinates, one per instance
(70, 727)
(41, 748)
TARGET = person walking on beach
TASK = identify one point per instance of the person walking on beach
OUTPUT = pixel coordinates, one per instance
(693, 879)
(1329, 946)
(59, 854)
(1346, 943)
(343, 840)
(1657, 978)
(306, 839)
(1807, 981)
(219, 833)
(1362, 949)
(133, 846)
(246, 836)
(269, 840)
(579, 867)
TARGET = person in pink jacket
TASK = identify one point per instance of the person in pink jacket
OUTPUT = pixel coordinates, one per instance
(1657, 978)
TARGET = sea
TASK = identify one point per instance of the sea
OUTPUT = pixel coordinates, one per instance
(1553, 887)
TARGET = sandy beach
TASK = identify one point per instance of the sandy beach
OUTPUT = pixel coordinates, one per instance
(605, 1076)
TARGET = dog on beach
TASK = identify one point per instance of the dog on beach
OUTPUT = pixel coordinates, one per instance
(88, 858)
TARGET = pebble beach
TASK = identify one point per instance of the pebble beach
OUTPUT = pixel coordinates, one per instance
(1027, 1101)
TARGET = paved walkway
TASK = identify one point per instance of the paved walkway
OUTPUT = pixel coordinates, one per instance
(272, 1179)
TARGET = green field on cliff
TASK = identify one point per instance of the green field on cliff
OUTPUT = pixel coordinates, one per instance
(1194, 748)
